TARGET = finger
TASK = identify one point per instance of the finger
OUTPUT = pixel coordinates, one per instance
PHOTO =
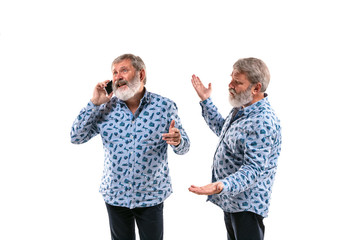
(195, 79)
(193, 82)
(195, 85)
(110, 95)
(171, 134)
(209, 86)
(173, 143)
(198, 82)
(175, 131)
(172, 124)
(193, 188)
(103, 84)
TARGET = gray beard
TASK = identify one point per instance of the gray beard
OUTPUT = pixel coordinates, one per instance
(240, 99)
(133, 87)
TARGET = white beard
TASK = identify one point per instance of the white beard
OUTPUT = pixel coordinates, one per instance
(133, 87)
(240, 99)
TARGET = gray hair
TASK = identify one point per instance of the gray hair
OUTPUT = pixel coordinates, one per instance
(136, 61)
(255, 70)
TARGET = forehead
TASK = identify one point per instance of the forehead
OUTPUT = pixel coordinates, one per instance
(126, 63)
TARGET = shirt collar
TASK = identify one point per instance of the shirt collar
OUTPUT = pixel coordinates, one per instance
(252, 108)
(146, 98)
(255, 107)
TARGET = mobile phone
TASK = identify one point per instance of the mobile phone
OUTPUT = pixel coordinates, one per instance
(108, 87)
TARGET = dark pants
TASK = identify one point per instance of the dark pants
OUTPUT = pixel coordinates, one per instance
(149, 221)
(244, 226)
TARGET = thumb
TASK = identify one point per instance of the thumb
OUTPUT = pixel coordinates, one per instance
(172, 124)
(209, 86)
(219, 187)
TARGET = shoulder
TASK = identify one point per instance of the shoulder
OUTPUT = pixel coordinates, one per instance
(160, 100)
(110, 104)
(266, 120)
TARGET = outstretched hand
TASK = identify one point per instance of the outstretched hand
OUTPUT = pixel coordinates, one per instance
(203, 92)
(174, 136)
(210, 189)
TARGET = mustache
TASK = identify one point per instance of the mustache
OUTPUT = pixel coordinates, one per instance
(232, 90)
(121, 82)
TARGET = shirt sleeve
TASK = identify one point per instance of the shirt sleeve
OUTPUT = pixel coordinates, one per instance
(184, 145)
(84, 126)
(212, 117)
(258, 155)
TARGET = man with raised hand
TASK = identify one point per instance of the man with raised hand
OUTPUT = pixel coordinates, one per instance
(245, 160)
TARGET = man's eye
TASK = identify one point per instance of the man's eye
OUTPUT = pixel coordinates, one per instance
(238, 83)
(124, 70)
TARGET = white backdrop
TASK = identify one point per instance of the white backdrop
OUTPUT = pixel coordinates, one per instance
(52, 54)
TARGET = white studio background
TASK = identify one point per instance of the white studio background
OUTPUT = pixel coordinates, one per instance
(52, 54)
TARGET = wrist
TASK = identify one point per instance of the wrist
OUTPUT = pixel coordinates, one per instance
(94, 102)
(204, 98)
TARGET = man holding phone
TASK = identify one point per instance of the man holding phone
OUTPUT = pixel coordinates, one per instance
(136, 127)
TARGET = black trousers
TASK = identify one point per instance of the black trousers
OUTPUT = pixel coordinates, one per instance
(244, 226)
(149, 221)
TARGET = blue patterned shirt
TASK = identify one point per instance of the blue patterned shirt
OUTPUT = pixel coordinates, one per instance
(245, 160)
(136, 172)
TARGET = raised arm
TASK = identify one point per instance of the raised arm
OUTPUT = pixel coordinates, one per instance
(84, 126)
(209, 111)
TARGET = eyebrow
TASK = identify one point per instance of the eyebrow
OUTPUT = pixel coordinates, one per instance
(122, 68)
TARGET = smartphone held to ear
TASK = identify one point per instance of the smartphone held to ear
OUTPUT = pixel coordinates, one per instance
(108, 87)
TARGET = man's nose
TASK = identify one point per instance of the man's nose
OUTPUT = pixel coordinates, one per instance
(118, 77)
(231, 85)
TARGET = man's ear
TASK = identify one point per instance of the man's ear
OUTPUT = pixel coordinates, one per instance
(142, 75)
(257, 88)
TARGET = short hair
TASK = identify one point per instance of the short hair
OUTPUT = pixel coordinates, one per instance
(136, 61)
(255, 70)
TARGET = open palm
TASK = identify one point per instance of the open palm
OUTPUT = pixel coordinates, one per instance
(203, 92)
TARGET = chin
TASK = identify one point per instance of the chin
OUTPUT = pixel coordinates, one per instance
(234, 103)
(124, 95)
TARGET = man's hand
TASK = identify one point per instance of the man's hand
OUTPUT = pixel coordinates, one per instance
(203, 92)
(174, 136)
(99, 95)
(210, 189)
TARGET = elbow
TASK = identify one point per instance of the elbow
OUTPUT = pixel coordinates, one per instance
(75, 139)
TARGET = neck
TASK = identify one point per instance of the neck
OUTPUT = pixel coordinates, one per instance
(134, 102)
(256, 98)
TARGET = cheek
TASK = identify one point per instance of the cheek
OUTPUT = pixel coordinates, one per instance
(238, 89)
(129, 77)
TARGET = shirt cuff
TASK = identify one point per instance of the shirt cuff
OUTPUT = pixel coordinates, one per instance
(181, 144)
(226, 188)
(92, 106)
(208, 100)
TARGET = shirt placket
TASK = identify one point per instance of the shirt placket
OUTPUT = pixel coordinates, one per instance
(132, 157)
